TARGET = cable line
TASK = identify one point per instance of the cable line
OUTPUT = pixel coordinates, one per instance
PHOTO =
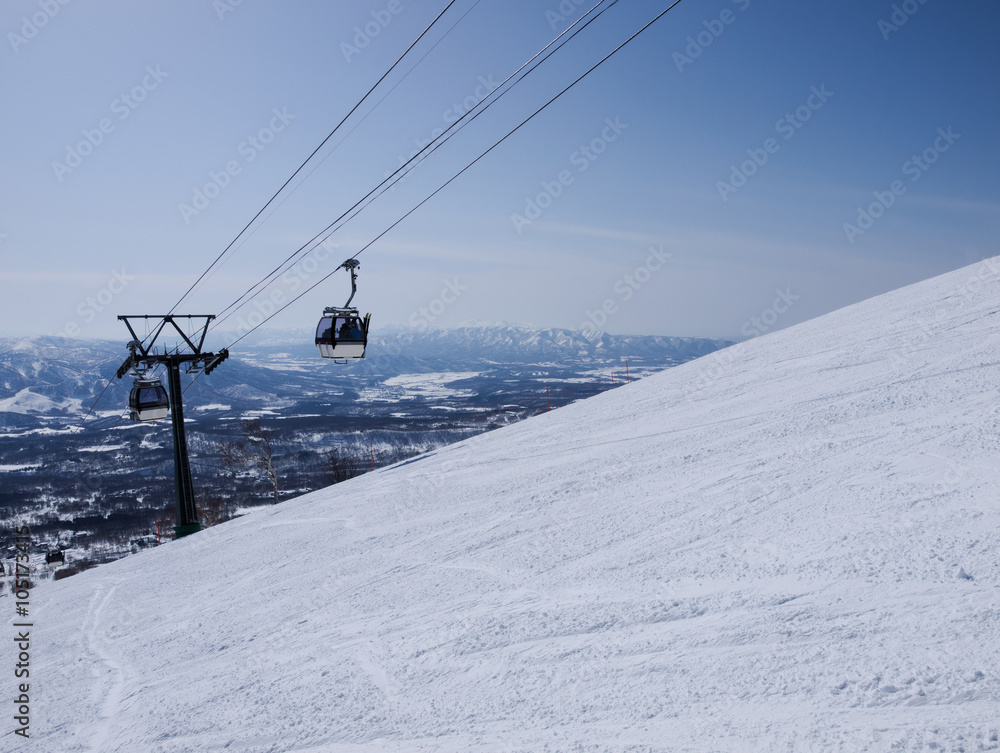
(94, 405)
(299, 168)
(403, 170)
(346, 135)
(467, 167)
(306, 161)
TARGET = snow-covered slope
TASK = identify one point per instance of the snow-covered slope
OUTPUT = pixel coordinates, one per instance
(791, 544)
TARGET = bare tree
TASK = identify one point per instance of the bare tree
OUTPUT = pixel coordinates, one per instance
(254, 450)
(214, 510)
(338, 466)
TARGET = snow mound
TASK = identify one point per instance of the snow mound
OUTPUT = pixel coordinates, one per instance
(27, 402)
(790, 544)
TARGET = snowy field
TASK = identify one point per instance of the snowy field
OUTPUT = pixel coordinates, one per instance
(412, 386)
(27, 402)
(789, 545)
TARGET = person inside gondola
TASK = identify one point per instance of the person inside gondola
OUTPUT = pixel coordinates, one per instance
(355, 332)
(345, 330)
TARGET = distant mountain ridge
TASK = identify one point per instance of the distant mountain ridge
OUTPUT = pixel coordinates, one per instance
(63, 369)
(55, 367)
(518, 345)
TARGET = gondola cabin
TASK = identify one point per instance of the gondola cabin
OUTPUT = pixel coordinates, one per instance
(148, 400)
(55, 558)
(342, 334)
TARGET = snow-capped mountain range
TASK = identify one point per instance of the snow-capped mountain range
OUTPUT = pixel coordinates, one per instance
(61, 377)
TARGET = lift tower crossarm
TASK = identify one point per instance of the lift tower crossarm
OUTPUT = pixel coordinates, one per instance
(166, 319)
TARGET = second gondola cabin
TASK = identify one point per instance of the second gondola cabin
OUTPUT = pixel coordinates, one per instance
(148, 400)
(342, 334)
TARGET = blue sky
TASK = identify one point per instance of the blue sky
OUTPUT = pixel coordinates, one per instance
(714, 178)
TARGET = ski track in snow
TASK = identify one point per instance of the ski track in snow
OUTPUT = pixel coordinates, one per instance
(790, 545)
(107, 685)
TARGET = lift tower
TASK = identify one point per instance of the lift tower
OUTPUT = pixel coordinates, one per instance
(144, 356)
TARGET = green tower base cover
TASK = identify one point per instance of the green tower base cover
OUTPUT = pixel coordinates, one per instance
(185, 530)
